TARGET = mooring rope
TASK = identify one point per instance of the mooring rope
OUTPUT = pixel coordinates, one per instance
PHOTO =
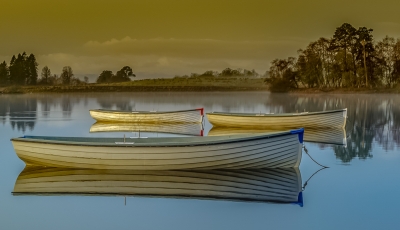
(306, 151)
(305, 183)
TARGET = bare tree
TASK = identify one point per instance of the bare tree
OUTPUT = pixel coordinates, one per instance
(67, 75)
(46, 74)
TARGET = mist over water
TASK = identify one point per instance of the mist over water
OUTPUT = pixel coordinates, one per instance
(359, 190)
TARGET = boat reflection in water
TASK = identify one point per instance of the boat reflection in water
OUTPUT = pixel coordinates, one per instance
(262, 185)
(193, 129)
(321, 136)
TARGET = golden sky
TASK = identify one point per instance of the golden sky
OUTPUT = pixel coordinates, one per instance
(163, 38)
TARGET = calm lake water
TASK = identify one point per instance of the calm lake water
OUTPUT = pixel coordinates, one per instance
(359, 190)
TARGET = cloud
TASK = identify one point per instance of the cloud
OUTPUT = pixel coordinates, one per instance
(193, 48)
(160, 57)
(110, 42)
(145, 66)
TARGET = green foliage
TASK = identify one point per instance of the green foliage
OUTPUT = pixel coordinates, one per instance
(32, 70)
(122, 75)
(45, 76)
(351, 58)
(22, 70)
(105, 77)
(228, 72)
(66, 75)
(4, 73)
(283, 75)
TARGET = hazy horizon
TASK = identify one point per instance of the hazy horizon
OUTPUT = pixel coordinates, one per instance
(162, 39)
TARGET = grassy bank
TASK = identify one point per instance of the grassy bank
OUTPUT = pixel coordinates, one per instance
(345, 90)
(150, 85)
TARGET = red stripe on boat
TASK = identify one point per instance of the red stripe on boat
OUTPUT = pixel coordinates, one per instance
(201, 111)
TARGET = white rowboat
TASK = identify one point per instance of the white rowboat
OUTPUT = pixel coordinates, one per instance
(321, 136)
(181, 116)
(272, 150)
(261, 185)
(325, 119)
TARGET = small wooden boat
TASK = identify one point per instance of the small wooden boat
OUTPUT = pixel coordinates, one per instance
(273, 150)
(181, 116)
(325, 119)
(261, 185)
(193, 129)
(321, 136)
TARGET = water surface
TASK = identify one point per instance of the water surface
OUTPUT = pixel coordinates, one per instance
(359, 190)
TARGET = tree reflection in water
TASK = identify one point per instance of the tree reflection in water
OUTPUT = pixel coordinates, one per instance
(21, 112)
(373, 120)
(370, 118)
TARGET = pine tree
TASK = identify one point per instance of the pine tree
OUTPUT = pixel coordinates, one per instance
(31, 70)
(4, 73)
(18, 69)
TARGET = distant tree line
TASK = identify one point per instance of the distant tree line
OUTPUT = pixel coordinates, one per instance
(23, 70)
(228, 72)
(122, 75)
(351, 58)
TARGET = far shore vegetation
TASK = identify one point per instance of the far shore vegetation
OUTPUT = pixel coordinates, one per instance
(351, 60)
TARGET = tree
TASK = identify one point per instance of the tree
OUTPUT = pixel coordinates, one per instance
(31, 70)
(18, 69)
(396, 70)
(66, 75)
(46, 74)
(228, 72)
(123, 74)
(54, 80)
(86, 79)
(283, 75)
(23, 69)
(344, 40)
(365, 50)
(209, 73)
(4, 73)
(387, 60)
(105, 77)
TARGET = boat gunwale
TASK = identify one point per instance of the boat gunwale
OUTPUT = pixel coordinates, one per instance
(259, 115)
(227, 140)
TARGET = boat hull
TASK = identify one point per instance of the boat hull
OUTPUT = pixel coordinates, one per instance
(328, 119)
(280, 150)
(193, 129)
(334, 136)
(184, 116)
(264, 185)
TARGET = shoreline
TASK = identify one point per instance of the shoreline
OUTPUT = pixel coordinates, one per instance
(345, 91)
(119, 88)
(140, 88)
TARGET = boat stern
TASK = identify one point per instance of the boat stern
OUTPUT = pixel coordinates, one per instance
(300, 133)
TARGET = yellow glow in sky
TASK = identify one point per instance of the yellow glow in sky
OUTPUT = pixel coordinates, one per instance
(164, 38)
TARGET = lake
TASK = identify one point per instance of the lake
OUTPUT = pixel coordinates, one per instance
(359, 190)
